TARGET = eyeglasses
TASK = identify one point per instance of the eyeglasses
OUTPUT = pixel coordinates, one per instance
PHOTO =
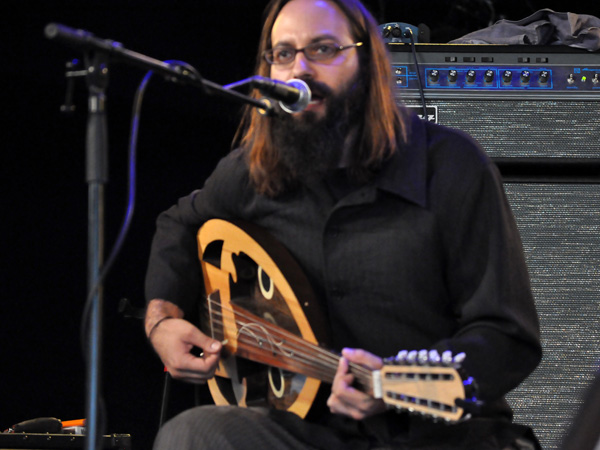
(317, 51)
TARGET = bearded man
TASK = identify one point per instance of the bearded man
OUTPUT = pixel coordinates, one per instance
(400, 226)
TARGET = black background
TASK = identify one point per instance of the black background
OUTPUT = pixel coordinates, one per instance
(183, 134)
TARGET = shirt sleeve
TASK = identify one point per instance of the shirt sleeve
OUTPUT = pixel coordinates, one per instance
(174, 272)
(489, 283)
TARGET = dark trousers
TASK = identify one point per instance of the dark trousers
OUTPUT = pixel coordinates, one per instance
(230, 427)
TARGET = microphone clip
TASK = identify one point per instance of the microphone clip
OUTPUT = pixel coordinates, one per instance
(73, 70)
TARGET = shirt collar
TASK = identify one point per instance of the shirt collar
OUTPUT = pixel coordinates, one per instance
(405, 173)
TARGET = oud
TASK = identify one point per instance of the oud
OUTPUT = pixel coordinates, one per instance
(261, 306)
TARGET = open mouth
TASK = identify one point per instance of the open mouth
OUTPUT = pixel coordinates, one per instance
(319, 91)
(316, 98)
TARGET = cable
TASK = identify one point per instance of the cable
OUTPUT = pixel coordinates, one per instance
(131, 182)
(131, 196)
(131, 190)
(126, 224)
(408, 33)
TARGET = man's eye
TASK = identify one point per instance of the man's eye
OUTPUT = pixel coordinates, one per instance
(282, 54)
(324, 49)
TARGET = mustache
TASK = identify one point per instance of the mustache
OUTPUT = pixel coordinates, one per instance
(317, 88)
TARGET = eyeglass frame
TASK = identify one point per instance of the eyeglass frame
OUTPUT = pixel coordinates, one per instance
(338, 48)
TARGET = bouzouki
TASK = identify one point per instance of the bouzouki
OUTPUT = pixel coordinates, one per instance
(261, 306)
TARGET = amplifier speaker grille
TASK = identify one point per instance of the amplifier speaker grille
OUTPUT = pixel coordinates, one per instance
(559, 225)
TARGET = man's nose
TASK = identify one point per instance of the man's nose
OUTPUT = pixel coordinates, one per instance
(302, 66)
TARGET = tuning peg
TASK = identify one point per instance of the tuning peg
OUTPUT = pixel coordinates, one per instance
(447, 358)
(412, 356)
(401, 357)
(471, 388)
(434, 357)
(458, 359)
(423, 357)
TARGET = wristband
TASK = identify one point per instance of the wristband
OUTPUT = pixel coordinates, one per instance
(157, 324)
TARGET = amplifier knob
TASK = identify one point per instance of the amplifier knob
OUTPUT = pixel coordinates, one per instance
(396, 31)
(471, 75)
(595, 80)
(489, 76)
(544, 76)
(434, 76)
(507, 76)
(525, 76)
(571, 79)
(452, 76)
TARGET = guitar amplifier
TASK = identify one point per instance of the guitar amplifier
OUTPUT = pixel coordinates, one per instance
(536, 112)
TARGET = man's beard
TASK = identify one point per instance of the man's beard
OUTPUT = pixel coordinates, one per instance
(308, 145)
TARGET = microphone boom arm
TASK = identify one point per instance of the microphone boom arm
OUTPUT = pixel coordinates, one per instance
(87, 41)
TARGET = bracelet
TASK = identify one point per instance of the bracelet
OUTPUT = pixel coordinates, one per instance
(155, 326)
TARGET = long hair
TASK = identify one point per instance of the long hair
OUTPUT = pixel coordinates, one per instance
(383, 126)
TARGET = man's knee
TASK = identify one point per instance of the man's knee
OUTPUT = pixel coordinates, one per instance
(204, 427)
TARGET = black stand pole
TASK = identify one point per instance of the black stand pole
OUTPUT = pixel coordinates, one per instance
(96, 178)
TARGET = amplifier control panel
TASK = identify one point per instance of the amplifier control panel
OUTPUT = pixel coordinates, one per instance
(495, 68)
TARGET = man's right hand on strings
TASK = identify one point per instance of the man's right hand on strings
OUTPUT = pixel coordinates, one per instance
(174, 340)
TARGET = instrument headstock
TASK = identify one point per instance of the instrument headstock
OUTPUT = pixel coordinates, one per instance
(426, 383)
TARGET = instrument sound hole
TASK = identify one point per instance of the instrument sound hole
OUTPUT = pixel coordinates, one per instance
(266, 284)
(276, 381)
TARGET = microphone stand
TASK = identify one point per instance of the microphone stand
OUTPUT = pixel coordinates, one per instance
(98, 53)
(96, 178)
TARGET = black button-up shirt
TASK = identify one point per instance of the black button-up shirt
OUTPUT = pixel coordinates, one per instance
(425, 255)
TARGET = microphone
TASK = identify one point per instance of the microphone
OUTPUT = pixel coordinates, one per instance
(293, 95)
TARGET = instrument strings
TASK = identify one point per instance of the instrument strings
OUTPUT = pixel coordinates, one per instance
(283, 343)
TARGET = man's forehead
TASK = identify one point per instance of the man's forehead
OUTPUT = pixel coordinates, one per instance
(310, 21)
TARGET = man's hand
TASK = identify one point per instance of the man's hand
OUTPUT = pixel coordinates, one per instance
(345, 399)
(174, 338)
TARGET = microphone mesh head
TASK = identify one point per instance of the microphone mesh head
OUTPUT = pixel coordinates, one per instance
(303, 98)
